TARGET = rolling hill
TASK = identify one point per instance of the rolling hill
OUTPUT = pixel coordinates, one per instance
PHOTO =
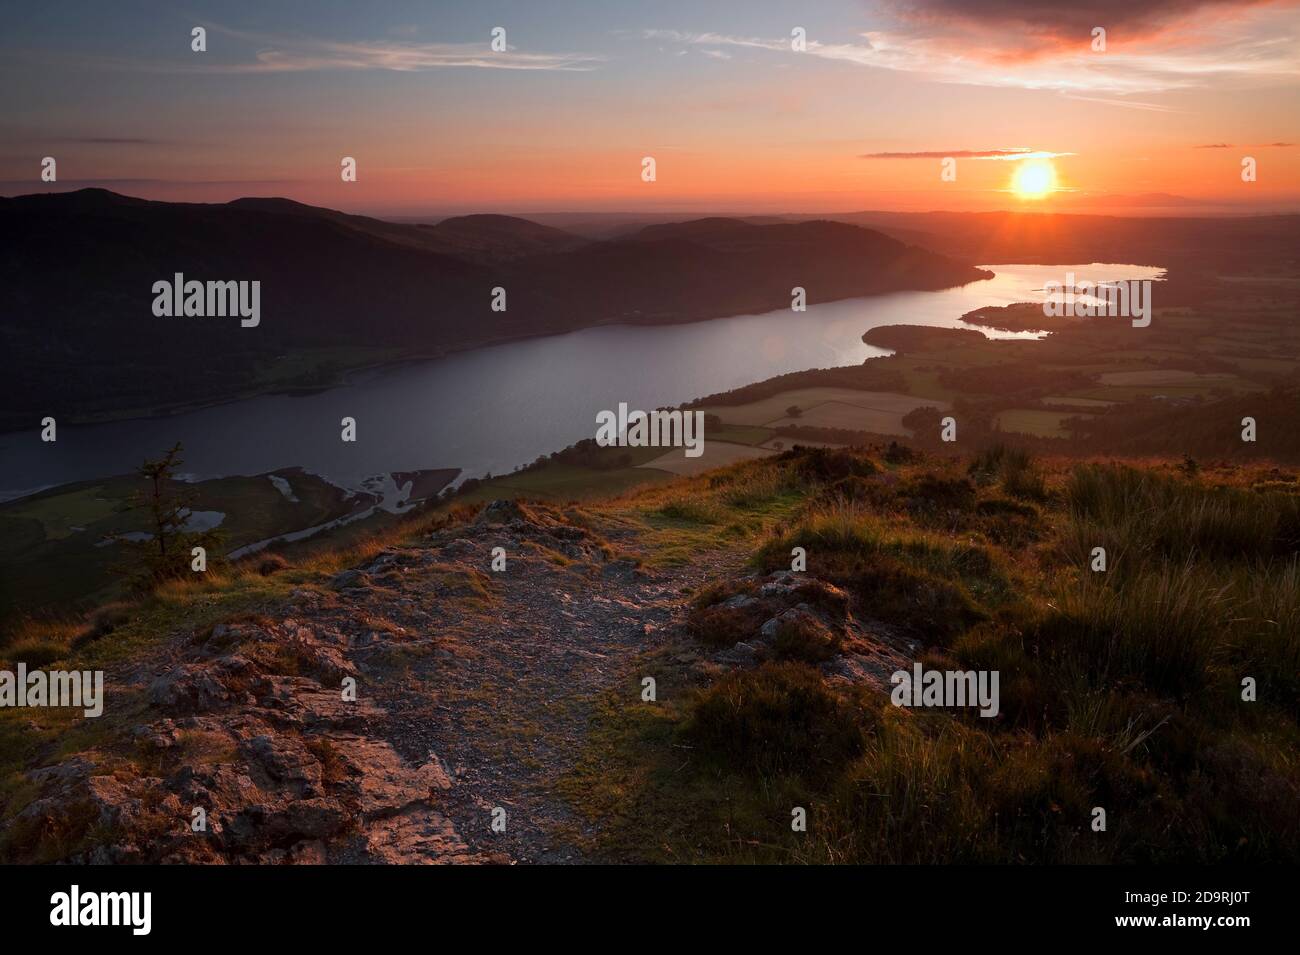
(339, 291)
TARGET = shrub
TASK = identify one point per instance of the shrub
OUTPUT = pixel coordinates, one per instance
(778, 718)
(723, 626)
(924, 584)
(269, 564)
(897, 453)
(806, 639)
(34, 653)
(828, 464)
(931, 491)
(1014, 467)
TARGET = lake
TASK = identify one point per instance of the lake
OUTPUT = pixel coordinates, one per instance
(491, 409)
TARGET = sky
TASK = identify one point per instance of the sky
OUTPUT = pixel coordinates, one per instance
(736, 118)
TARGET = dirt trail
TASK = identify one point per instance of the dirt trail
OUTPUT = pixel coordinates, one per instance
(474, 689)
(506, 697)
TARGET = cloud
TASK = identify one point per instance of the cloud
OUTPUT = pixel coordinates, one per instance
(1123, 103)
(111, 141)
(1255, 146)
(995, 154)
(1029, 28)
(1159, 46)
(271, 54)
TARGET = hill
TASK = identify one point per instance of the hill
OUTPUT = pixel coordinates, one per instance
(341, 291)
(649, 679)
(1227, 245)
(495, 237)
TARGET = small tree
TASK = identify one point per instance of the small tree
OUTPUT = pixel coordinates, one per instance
(794, 411)
(167, 552)
(167, 510)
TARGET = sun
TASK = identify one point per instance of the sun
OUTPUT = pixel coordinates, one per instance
(1034, 179)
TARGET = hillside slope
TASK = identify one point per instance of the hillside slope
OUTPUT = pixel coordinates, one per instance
(524, 690)
(341, 291)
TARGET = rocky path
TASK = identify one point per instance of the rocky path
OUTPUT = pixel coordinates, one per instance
(421, 708)
(474, 691)
(504, 699)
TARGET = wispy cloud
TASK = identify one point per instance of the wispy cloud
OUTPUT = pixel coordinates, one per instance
(275, 54)
(993, 154)
(1254, 146)
(1123, 103)
(1157, 47)
(111, 141)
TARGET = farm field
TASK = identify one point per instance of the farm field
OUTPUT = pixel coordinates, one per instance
(772, 409)
(1170, 376)
(840, 414)
(1043, 424)
(716, 454)
(1076, 402)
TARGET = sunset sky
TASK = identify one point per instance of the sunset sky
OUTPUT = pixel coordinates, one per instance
(735, 119)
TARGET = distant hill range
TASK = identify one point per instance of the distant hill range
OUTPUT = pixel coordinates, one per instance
(79, 337)
(1224, 245)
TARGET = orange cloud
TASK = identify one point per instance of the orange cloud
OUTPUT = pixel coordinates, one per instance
(1019, 31)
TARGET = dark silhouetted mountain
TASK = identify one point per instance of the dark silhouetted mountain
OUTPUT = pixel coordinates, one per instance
(494, 237)
(1216, 244)
(77, 270)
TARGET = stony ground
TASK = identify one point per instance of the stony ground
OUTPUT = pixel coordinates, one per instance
(505, 697)
(474, 692)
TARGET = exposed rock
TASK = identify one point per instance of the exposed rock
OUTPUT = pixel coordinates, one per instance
(458, 548)
(501, 511)
(821, 613)
(494, 672)
(348, 579)
(622, 568)
(189, 688)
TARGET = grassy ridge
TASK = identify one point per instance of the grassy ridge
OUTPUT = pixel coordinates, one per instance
(1120, 689)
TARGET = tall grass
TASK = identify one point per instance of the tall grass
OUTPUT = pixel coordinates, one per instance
(1120, 689)
(891, 566)
(1015, 468)
(1199, 579)
(1161, 628)
(1162, 516)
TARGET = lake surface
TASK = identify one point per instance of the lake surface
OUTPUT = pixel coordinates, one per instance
(491, 409)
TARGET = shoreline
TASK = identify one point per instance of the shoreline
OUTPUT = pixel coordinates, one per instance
(346, 376)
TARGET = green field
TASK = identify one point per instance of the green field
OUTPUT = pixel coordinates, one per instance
(1043, 424)
(740, 434)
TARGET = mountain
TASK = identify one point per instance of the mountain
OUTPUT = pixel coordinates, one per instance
(495, 237)
(1227, 245)
(339, 290)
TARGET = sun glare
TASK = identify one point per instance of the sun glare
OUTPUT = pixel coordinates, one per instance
(1034, 179)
